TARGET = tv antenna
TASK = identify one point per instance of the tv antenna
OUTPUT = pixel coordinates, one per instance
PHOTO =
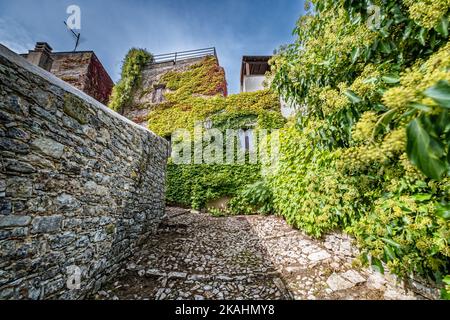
(76, 35)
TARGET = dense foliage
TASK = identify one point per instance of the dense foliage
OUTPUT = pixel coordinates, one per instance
(371, 153)
(197, 95)
(122, 93)
(195, 185)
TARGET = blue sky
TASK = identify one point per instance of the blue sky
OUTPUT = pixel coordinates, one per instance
(111, 27)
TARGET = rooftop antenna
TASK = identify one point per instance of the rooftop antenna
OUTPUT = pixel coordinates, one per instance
(76, 35)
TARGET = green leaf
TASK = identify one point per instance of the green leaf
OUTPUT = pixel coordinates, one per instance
(377, 265)
(443, 211)
(355, 54)
(371, 80)
(352, 96)
(385, 47)
(442, 27)
(421, 107)
(422, 197)
(391, 79)
(440, 93)
(408, 30)
(420, 153)
(392, 243)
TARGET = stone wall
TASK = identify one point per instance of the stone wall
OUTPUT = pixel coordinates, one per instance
(80, 185)
(149, 93)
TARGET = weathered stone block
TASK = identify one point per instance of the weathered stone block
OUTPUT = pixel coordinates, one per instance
(14, 233)
(49, 147)
(75, 108)
(46, 224)
(19, 166)
(14, 221)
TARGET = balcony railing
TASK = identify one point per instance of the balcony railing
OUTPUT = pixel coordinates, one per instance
(183, 55)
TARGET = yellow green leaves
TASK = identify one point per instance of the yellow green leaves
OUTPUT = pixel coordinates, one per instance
(205, 78)
(197, 94)
(372, 153)
(362, 132)
(224, 111)
(427, 13)
(122, 93)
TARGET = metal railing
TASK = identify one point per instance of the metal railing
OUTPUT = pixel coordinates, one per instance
(183, 55)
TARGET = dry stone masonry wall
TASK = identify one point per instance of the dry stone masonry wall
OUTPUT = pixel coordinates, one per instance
(80, 186)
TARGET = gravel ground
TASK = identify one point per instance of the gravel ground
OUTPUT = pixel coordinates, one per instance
(195, 256)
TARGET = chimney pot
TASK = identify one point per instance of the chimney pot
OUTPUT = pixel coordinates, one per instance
(43, 46)
(41, 56)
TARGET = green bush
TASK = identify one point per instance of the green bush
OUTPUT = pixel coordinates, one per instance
(254, 198)
(195, 185)
(371, 153)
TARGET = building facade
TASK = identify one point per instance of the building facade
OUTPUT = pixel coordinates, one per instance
(81, 69)
(253, 76)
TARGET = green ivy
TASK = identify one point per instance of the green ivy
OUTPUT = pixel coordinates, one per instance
(371, 153)
(195, 185)
(197, 94)
(132, 67)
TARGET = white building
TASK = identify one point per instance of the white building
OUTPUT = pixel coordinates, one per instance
(253, 72)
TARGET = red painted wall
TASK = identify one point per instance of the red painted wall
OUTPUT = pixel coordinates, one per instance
(98, 83)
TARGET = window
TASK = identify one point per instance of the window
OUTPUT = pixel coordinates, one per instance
(246, 140)
(169, 150)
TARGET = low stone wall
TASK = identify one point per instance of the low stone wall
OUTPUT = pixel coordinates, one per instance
(80, 186)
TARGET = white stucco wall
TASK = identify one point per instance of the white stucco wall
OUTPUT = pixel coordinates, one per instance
(253, 83)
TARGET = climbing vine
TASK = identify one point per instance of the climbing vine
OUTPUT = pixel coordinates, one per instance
(371, 153)
(197, 95)
(134, 62)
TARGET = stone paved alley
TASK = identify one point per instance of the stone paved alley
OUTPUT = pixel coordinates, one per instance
(196, 256)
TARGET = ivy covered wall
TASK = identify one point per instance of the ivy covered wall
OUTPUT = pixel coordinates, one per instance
(194, 97)
(195, 91)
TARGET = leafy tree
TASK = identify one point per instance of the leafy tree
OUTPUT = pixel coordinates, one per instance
(370, 154)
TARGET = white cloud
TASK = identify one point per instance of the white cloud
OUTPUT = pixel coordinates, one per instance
(15, 36)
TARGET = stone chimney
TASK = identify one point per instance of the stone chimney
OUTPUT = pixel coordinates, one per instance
(41, 56)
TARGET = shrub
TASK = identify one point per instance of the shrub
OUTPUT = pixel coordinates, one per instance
(371, 153)
(254, 198)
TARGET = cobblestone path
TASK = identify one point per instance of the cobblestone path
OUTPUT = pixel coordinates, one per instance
(196, 256)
